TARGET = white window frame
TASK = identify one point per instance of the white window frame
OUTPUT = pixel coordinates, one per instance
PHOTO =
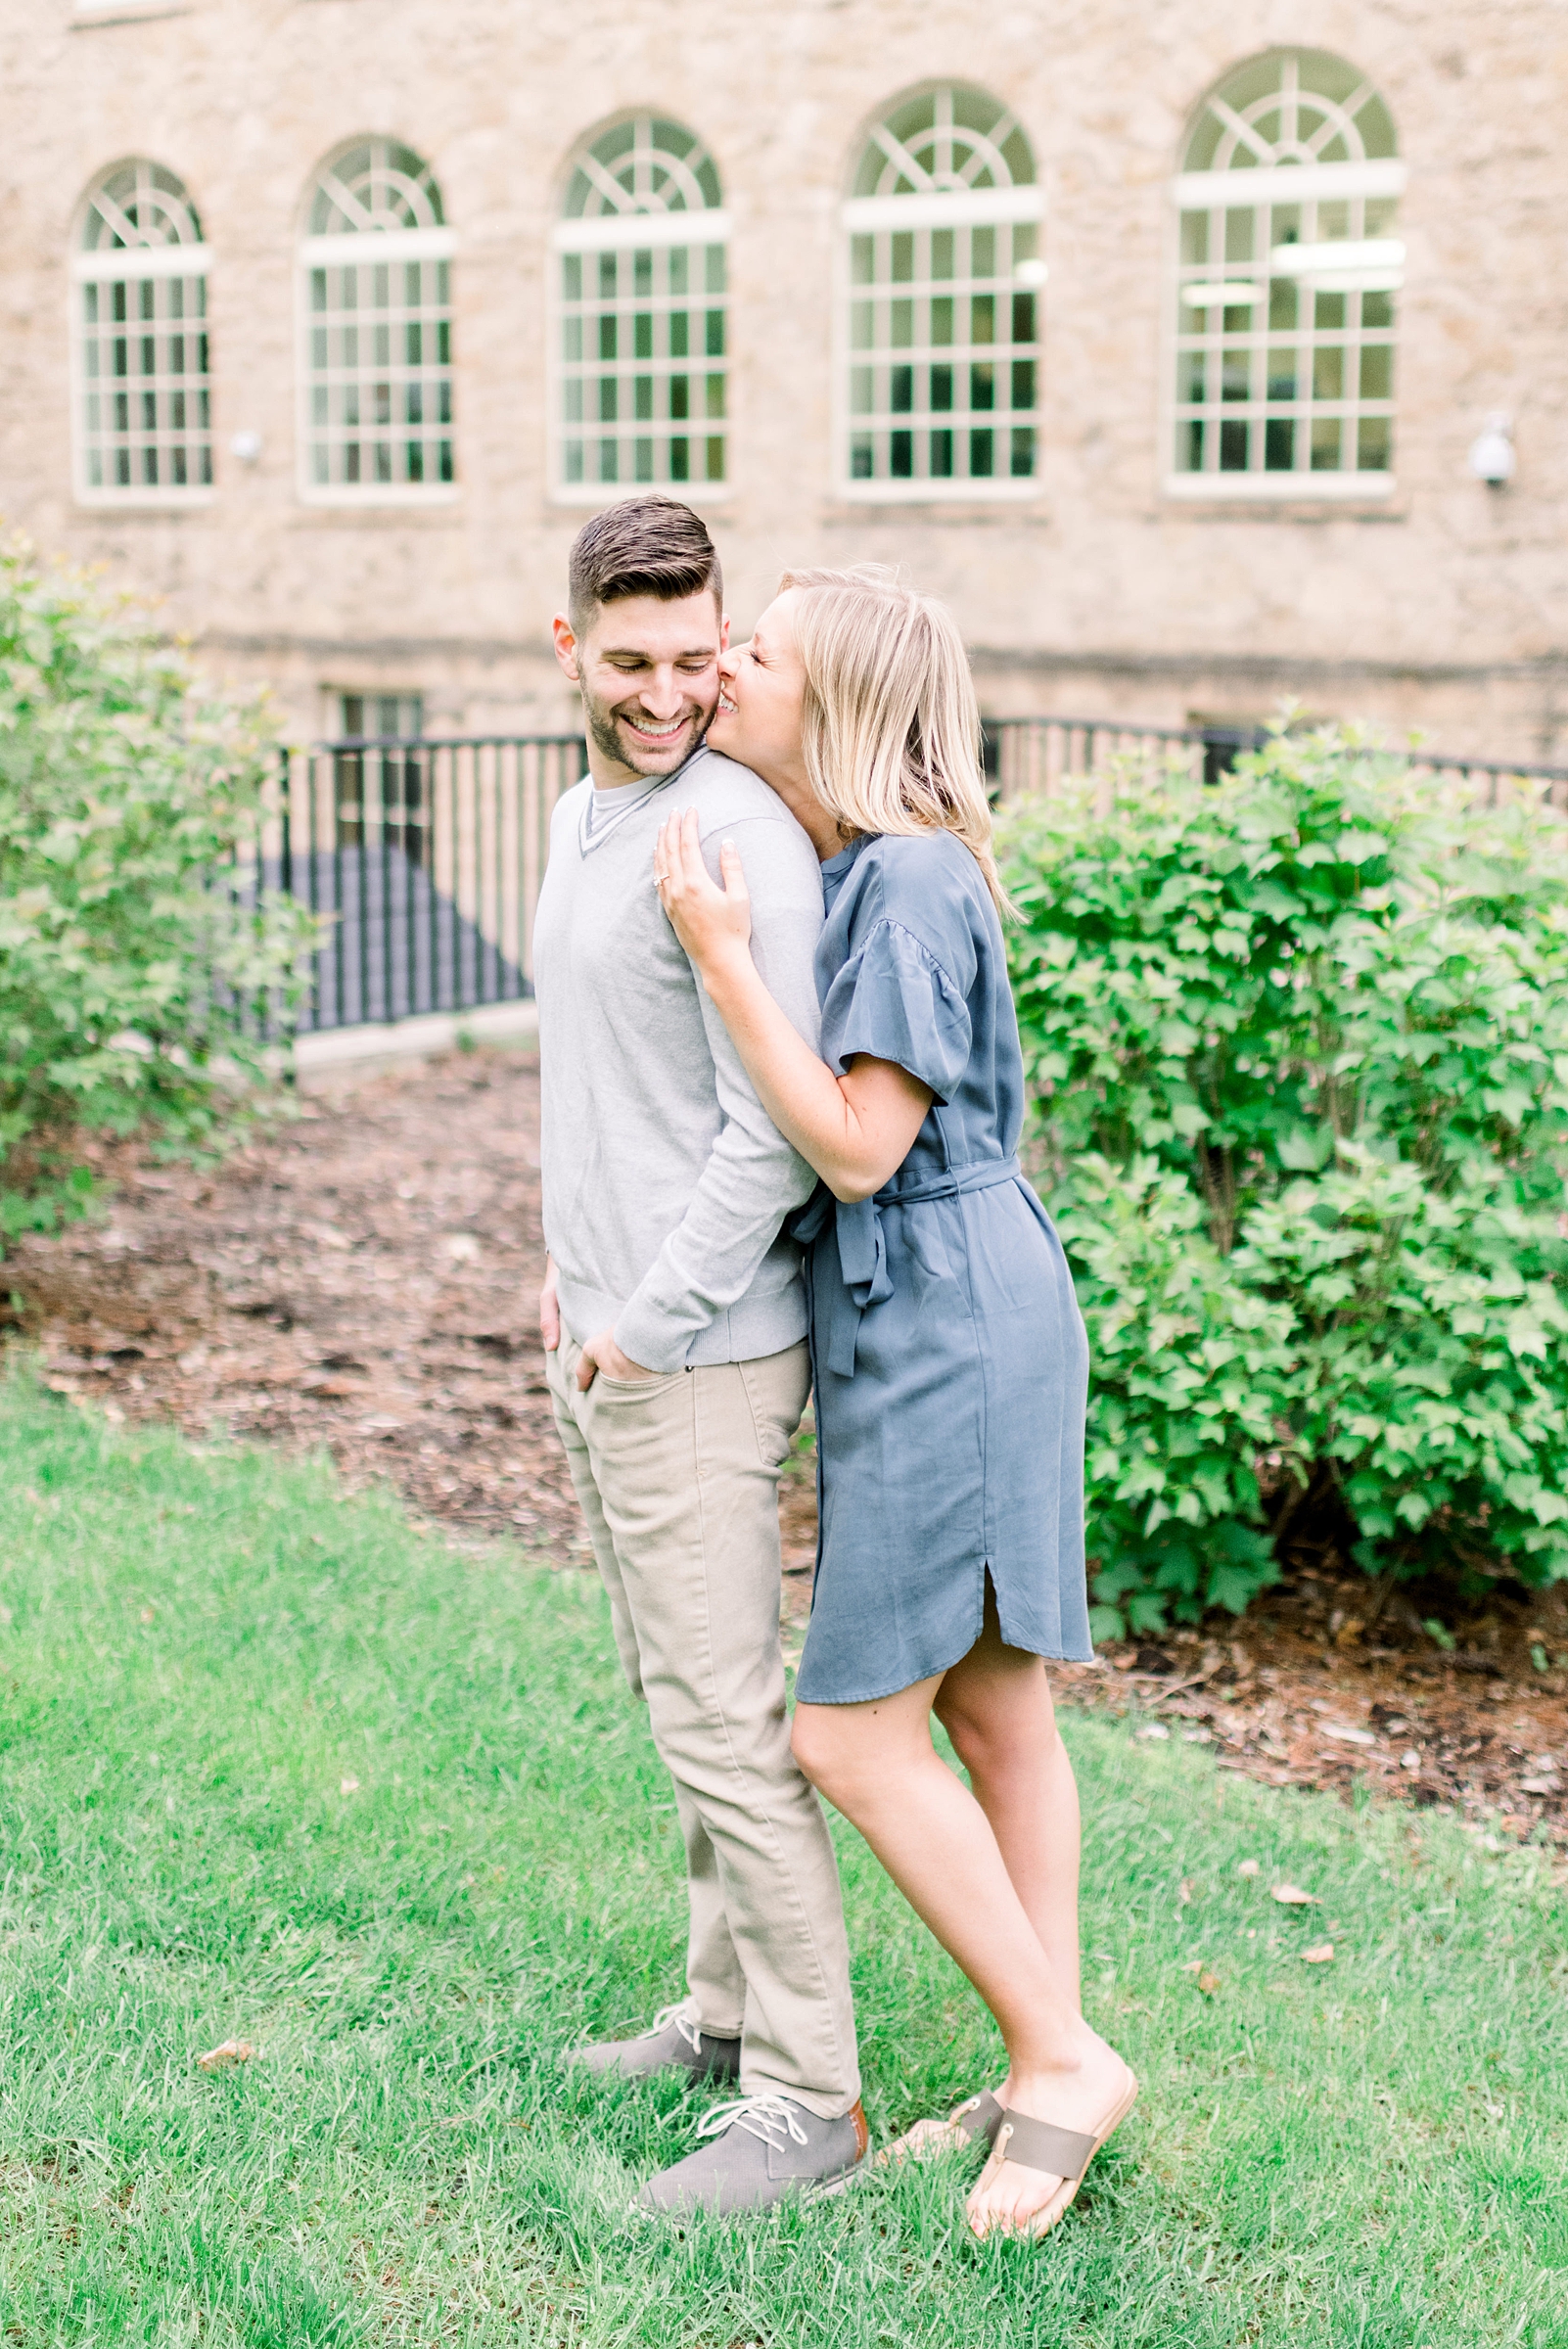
(1019, 204)
(360, 249)
(381, 795)
(638, 221)
(1278, 177)
(132, 265)
(407, 702)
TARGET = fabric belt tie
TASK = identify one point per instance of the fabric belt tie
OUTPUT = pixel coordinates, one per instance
(863, 1246)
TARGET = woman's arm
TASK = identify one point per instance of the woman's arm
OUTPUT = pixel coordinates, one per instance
(854, 1130)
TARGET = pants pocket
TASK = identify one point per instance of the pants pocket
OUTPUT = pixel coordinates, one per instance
(630, 1389)
(775, 1387)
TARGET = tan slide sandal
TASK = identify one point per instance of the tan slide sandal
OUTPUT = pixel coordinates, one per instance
(1058, 2152)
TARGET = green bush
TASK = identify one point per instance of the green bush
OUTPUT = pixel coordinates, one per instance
(129, 972)
(1298, 1049)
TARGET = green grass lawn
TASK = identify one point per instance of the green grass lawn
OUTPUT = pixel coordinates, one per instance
(276, 1768)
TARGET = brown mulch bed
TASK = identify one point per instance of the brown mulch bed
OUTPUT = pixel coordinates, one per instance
(361, 1279)
(1467, 1730)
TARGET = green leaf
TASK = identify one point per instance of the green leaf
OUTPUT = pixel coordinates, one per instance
(1306, 1148)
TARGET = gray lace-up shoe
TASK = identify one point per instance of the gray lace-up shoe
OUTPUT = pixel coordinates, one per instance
(760, 2149)
(674, 2044)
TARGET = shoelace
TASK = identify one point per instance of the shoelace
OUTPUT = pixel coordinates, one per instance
(688, 2030)
(761, 2117)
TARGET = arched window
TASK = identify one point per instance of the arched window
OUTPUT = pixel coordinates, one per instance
(377, 371)
(642, 381)
(942, 325)
(1288, 266)
(143, 400)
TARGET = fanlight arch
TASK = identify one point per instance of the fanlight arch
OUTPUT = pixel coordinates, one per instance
(645, 164)
(374, 185)
(640, 338)
(138, 207)
(376, 360)
(949, 140)
(1287, 268)
(143, 406)
(1293, 107)
(940, 310)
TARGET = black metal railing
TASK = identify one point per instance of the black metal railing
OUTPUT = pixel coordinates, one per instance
(1029, 755)
(425, 856)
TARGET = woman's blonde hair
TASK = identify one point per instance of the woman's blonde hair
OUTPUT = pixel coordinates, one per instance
(890, 727)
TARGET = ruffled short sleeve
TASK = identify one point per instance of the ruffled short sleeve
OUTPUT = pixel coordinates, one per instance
(893, 1000)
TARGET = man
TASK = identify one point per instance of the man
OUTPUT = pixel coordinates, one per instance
(674, 1324)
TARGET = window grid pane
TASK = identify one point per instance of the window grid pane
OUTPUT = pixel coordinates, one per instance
(644, 365)
(1285, 369)
(943, 354)
(1282, 373)
(642, 355)
(146, 387)
(381, 795)
(380, 374)
(143, 423)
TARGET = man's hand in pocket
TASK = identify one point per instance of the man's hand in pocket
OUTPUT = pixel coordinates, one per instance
(602, 1354)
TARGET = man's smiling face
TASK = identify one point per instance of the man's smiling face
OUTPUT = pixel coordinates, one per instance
(648, 673)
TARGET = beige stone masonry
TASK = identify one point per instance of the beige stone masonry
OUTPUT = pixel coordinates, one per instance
(1444, 607)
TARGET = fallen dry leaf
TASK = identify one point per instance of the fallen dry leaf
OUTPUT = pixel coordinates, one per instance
(347, 1783)
(232, 2051)
(1208, 1984)
(1291, 1896)
(1321, 1953)
(1248, 1868)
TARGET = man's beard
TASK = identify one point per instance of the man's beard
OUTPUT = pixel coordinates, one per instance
(609, 738)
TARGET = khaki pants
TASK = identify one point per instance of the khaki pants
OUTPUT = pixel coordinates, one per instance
(677, 1477)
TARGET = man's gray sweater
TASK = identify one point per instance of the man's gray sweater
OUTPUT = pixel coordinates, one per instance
(665, 1180)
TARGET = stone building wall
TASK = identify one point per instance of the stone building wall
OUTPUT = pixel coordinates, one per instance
(1444, 607)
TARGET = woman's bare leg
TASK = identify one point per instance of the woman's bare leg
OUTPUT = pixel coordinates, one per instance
(996, 1708)
(875, 1762)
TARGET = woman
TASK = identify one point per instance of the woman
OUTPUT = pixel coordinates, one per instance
(948, 1356)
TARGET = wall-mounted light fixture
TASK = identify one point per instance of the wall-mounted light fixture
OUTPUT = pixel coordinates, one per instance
(247, 446)
(1492, 453)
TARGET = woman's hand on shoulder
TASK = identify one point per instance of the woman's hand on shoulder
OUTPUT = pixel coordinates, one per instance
(713, 924)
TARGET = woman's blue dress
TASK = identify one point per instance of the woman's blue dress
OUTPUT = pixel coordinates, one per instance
(950, 1358)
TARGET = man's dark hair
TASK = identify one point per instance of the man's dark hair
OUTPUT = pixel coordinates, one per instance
(644, 546)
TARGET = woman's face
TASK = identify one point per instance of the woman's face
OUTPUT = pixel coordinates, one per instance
(762, 692)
